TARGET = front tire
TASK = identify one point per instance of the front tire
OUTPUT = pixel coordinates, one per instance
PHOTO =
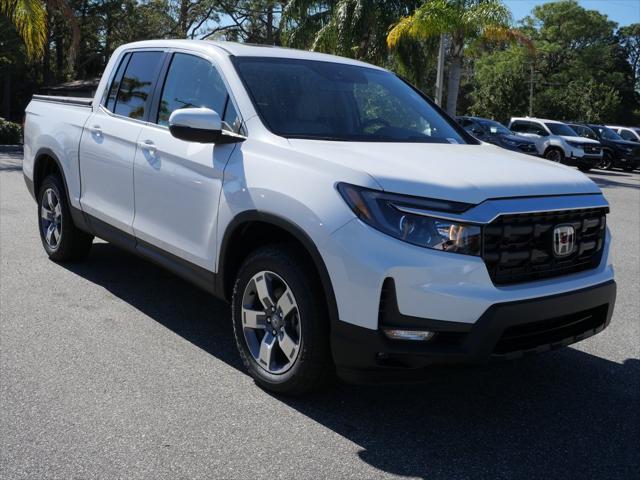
(61, 239)
(280, 322)
(607, 161)
(555, 155)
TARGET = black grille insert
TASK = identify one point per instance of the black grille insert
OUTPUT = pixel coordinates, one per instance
(519, 248)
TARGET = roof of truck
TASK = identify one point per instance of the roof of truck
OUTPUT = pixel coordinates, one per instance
(535, 119)
(247, 50)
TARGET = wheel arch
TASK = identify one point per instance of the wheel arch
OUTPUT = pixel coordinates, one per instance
(238, 242)
(47, 162)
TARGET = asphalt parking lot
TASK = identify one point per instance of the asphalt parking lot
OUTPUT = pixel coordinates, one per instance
(113, 368)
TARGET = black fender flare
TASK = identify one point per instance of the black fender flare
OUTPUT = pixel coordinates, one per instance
(295, 231)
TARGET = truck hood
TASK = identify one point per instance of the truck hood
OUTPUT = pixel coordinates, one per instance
(464, 173)
(579, 139)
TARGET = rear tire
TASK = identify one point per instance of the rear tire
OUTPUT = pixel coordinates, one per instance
(555, 155)
(280, 321)
(61, 239)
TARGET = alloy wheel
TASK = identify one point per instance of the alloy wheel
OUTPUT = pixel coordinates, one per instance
(51, 218)
(271, 322)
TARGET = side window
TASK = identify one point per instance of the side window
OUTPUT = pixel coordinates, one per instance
(538, 130)
(134, 95)
(194, 82)
(627, 135)
(519, 127)
(115, 83)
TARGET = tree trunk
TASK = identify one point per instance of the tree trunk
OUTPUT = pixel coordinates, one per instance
(46, 57)
(455, 72)
(270, 23)
(6, 95)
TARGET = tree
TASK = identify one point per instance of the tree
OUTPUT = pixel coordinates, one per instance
(629, 40)
(29, 18)
(464, 21)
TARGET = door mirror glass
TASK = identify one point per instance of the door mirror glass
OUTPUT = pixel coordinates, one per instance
(201, 125)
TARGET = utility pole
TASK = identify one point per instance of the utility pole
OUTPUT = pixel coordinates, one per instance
(440, 73)
(531, 91)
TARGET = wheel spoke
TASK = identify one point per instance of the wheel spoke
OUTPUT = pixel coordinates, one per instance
(266, 350)
(56, 234)
(285, 303)
(262, 289)
(255, 319)
(287, 345)
(46, 214)
(50, 201)
(57, 210)
(49, 234)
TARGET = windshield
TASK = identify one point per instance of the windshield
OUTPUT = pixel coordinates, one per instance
(561, 129)
(332, 101)
(608, 134)
(495, 128)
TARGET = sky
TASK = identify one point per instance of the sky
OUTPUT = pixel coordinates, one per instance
(623, 12)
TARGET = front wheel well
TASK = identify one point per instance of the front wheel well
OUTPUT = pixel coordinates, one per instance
(246, 235)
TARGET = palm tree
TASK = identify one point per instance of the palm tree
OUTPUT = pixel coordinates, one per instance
(463, 21)
(30, 20)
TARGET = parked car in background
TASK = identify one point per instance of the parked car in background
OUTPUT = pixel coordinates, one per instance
(493, 132)
(616, 152)
(632, 134)
(556, 141)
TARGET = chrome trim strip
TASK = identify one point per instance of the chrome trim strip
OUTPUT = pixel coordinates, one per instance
(487, 211)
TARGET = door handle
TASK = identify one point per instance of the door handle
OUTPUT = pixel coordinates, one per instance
(96, 130)
(147, 145)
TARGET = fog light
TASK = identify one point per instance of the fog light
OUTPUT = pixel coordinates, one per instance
(416, 335)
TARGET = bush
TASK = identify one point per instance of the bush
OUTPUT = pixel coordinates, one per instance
(10, 133)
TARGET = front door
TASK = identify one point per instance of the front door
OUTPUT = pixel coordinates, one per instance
(177, 184)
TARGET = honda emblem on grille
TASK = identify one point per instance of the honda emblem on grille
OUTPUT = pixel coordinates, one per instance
(564, 240)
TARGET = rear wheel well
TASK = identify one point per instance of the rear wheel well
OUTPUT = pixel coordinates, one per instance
(45, 165)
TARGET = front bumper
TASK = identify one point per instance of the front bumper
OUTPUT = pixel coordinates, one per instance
(505, 331)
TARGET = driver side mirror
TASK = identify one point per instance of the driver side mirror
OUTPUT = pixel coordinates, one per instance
(201, 125)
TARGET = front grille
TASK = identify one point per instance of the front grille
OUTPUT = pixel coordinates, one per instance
(558, 330)
(519, 248)
(590, 149)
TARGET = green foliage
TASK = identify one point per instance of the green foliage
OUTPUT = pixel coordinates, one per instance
(29, 18)
(10, 133)
(500, 85)
(584, 68)
(581, 72)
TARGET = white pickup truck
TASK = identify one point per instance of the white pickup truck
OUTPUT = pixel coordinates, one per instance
(354, 227)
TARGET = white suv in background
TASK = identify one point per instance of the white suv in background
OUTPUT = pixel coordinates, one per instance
(556, 141)
(352, 225)
(631, 134)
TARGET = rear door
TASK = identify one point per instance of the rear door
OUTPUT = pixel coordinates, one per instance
(109, 143)
(177, 183)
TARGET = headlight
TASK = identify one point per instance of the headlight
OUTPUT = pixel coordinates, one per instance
(628, 150)
(392, 214)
